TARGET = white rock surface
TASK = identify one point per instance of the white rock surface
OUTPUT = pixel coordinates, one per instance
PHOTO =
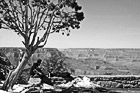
(78, 82)
(34, 81)
(17, 88)
(67, 85)
(46, 86)
(2, 91)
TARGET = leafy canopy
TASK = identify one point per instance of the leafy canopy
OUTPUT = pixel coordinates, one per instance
(27, 17)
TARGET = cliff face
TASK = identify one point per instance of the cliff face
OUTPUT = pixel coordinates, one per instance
(87, 60)
(106, 61)
(111, 55)
(14, 54)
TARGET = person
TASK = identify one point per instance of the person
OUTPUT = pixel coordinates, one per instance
(35, 67)
(44, 78)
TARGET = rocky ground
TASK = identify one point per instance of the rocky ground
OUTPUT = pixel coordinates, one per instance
(102, 81)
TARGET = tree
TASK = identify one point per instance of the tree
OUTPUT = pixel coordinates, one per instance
(54, 64)
(5, 65)
(29, 17)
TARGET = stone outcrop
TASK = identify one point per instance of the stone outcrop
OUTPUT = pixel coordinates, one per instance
(117, 81)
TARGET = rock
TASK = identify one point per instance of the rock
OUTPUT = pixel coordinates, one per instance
(46, 86)
(67, 85)
(34, 81)
(17, 88)
(20, 88)
(2, 91)
(119, 85)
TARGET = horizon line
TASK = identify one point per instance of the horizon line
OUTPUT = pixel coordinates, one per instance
(73, 47)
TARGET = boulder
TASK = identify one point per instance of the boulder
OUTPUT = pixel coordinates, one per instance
(2, 91)
(34, 81)
(119, 85)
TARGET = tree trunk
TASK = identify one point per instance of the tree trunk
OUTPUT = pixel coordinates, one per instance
(13, 75)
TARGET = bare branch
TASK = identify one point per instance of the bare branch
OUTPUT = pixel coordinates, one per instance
(36, 27)
(5, 27)
(19, 22)
(8, 25)
(31, 17)
(35, 13)
(46, 34)
(40, 46)
(31, 22)
(16, 17)
(39, 24)
(22, 13)
(26, 18)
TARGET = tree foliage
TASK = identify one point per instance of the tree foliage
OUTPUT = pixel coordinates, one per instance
(5, 65)
(54, 63)
(28, 17)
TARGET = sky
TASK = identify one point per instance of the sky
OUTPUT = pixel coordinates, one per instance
(107, 24)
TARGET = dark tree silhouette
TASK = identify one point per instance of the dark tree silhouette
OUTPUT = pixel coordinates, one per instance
(55, 64)
(5, 66)
(29, 17)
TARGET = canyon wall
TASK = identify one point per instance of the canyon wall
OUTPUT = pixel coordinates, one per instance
(92, 61)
